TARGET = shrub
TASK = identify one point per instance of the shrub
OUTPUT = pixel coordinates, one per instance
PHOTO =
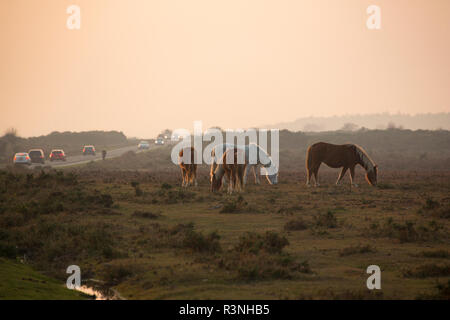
(295, 225)
(270, 242)
(233, 205)
(430, 204)
(356, 250)
(289, 210)
(200, 243)
(427, 270)
(137, 188)
(407, 231)
(327, 220)
(8, 250)
(146, 214)
(442, 254)
(166, 186)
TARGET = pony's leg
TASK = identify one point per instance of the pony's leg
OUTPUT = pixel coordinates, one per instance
(316, 176)
(308, 177)
(195, 175)
(341, 175)
(230, 182)
(352, 177)
(187, 174)
(247, 170)
(182, 177)
(255, 169)
(240, 178)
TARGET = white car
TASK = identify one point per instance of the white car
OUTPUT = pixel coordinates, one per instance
(159, 141)
(22, 158)
(143, 145)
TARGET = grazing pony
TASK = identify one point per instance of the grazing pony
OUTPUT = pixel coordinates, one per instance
(262, 160)
(345, 156)
(231, 169)
(188, 170)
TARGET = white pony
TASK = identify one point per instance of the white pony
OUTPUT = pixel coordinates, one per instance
(262, 160)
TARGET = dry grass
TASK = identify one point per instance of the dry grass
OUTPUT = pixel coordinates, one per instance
(278, 242)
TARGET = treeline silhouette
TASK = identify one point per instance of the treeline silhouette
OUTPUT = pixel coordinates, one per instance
(71, 142)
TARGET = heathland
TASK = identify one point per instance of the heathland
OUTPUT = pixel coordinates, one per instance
(127, 223)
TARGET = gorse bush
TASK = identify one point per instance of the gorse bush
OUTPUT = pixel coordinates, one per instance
(359, 249)
(427, 270)
(270, 242)
(146, 214)
(260, 256)
(327, 220)
(181, 236)
(407, 231)
(295, 225)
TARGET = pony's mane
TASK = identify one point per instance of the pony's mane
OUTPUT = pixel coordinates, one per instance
(364, 156)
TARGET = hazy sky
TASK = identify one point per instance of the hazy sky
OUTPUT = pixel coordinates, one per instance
(140, 66)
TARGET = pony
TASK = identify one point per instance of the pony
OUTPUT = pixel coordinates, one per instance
(231, 169)
(188, 171)
(345, 156)
(262, 160)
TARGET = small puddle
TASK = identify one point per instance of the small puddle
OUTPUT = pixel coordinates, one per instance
(99, 292)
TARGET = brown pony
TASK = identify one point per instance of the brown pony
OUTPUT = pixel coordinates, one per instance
(345, 156)
(188, 171)
(229, 168)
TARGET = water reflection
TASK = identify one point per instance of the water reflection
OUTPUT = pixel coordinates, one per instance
(98, 293)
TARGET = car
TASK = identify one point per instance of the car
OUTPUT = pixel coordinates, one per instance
(159, 141)
(57, 154)
(22, 158)
(143, 145)
(37, 156)
(88, 150)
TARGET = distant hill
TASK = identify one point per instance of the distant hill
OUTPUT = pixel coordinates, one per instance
(391, 149)
(427, 121)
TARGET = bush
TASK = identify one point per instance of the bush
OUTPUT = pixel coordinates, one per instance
(233, 205)
(441, 254)
(199, 243)
(295, 225)
(427, 270)
(8, 250)
(327, 220)
(407, 231)
(270, 242)
(260, 256)
(146, 214)
(356, 250)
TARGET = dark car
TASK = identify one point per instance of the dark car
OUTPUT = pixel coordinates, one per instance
(88, 150)
(57, 155)
(37, 156)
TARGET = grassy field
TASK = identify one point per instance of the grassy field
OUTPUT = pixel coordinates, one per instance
(141, 234)
(19, 281)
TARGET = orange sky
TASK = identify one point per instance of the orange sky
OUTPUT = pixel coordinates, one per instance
(140, 66)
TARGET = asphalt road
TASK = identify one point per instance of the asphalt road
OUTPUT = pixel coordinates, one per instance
(80, 159)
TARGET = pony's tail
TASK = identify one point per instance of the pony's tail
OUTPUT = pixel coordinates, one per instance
(308, 158)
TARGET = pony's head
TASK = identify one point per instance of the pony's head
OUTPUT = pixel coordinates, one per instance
(371, 176)
(272, 178)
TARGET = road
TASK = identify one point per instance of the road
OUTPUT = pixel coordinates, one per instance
(80, 159)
